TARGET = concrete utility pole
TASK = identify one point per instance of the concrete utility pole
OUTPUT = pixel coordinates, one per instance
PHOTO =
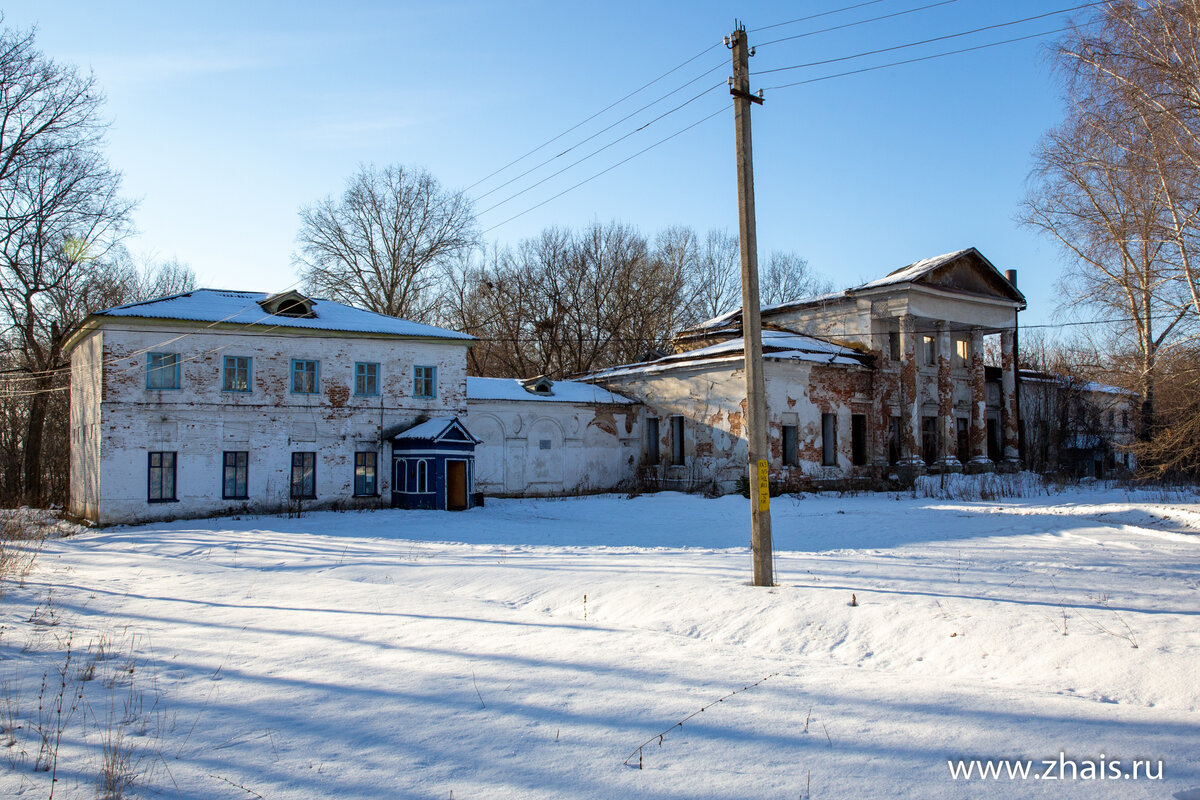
(756, 395)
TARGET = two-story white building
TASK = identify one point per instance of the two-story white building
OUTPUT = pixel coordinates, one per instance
(217, 401)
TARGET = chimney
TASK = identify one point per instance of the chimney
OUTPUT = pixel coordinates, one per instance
(1011, 274)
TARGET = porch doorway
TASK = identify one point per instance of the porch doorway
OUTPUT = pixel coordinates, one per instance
(456, 485)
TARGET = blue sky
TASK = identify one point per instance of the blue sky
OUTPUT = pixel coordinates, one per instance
(227, 117)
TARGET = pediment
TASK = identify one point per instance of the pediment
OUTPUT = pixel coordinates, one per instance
(970, 272)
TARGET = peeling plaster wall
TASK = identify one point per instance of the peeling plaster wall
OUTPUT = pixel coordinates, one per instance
(539, 447)
(199, 421)
(711, 399)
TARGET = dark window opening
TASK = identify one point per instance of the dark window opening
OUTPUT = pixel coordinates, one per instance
(364, 474)
(422, 486)
(790, 455)
(894, 441)
(234, 475)
(894, 346)
(929, 439)
(964, 439)
(161, 477)
(858, 439)
(304, 476)
(652, 454)
(993, 439)
(677, 441)
(829, 440)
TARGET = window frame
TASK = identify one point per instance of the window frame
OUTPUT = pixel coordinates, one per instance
(361, 374)
(245, 470)
(929, 350)
(424, 377)
(829, 448)
(791, 449)
(360, 464)
(159, 370)
(421, 477)
(312, 475)
(316, 373)
(161, 468)
(225, 371)
(678, 441)
(859, 440)
(653, 451)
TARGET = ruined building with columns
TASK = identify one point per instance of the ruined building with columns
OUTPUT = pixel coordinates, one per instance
(889, 377)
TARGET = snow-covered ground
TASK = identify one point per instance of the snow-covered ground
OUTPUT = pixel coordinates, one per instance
(526, 650)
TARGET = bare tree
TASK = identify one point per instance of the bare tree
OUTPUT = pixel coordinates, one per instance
(786, 277)
(1116, 183)
(384, 245)
(717, 280)
(566, 302)
(60, 219)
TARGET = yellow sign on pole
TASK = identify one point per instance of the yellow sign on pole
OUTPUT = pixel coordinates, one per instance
(764, 486)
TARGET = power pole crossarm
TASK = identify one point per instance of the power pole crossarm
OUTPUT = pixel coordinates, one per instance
(756, 402)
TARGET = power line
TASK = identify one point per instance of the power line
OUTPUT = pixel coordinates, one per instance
(610, 169)
(602, 149)
(599, 132)
(855, 24)
(814, 16)
(915, 60)
(593, 116)
(928, 41)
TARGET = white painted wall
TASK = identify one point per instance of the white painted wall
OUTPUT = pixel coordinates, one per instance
(199, 421)
(547, 447)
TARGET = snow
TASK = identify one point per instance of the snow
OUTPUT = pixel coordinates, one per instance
(429, 429)
(777, 345)
(526, 648)
(242, 308)
(913, 271)
(564, 392)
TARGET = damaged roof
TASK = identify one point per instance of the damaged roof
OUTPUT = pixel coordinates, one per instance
(561, 392)
(247, 308)
(777, 346)
(922, 271)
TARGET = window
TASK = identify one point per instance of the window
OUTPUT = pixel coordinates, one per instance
(304, 376)
(366, 378)
(1111, 417)
(789, 446)
(364, 473)
(964, 438)
(1124, 419)
(652, 454)
(237, 374)
(424, 381)
(161, 477)
(929, 439)
(894, 345)
(545, 444)
(858, 439)
(422, 477)
(962, 352)
(162, 371)
(829, 440)
(677, 441)
(894, 440)
(304, 476)
(233, 479)
(929, 350)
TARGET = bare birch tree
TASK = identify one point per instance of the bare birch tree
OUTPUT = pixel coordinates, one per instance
(384, 245)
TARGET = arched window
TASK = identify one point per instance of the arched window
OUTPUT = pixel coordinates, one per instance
(422, 476)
